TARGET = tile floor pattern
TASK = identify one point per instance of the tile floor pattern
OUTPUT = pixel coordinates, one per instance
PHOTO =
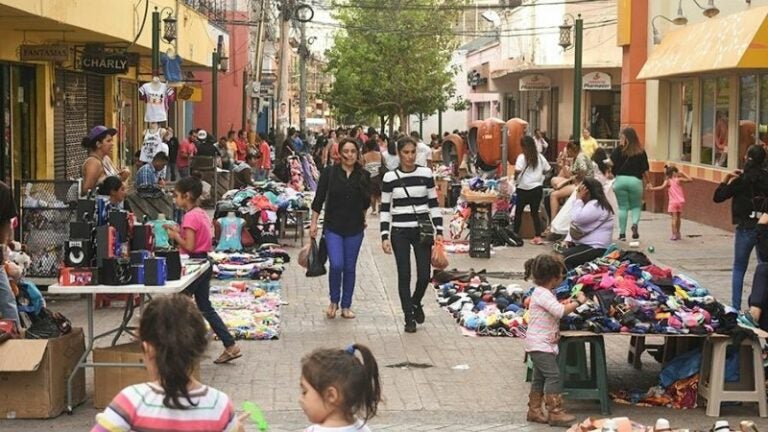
(490, 395)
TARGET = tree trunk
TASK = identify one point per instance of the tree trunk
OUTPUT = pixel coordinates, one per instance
(403, 121)
(391, 125)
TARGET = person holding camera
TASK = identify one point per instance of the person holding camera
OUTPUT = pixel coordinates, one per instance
(410, 218)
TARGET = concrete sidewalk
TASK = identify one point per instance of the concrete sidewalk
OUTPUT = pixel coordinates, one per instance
(488, 393)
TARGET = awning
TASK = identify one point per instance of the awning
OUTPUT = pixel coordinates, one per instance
(737, 41)
(502, 69)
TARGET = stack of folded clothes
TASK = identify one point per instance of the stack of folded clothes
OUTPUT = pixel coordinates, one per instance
(250, 310)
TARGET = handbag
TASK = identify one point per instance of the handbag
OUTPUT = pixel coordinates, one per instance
(577, 233)
(426, 228)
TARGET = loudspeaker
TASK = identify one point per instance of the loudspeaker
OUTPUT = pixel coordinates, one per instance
(80, 230)
(105, 243)
(172, 263)
(155, 272)
(78, 253)
(119, 220)
(138, 257)
(115, 271)
(137, 274)
(142, 237)
(85, 210)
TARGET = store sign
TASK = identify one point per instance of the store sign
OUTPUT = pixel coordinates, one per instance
(474, 79)
(105, 64)
(190, 93)
(596, 81)
(55, 53)
(535, 82)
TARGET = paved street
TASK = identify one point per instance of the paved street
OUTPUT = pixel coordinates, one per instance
(490, 395)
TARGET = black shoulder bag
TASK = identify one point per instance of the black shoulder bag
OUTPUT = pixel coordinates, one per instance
(426, 228)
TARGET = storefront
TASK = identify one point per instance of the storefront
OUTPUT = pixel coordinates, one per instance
(18, 106)
(603, 103)
(705, 110)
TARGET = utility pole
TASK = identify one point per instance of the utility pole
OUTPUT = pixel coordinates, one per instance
(577, 52)
(303, 55)
(258, 38)
(284, 55)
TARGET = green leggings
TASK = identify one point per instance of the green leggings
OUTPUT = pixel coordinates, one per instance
(629, 196)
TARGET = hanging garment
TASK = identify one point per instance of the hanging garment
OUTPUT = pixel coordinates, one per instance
(151, 144)
(171, 67)
(231, 230)
(158, 97)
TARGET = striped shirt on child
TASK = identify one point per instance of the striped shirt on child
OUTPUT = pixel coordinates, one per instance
(543, 331)
(400, 211)
(140, 407)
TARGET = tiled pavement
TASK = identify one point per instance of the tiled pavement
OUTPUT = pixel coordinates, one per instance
(489, 395)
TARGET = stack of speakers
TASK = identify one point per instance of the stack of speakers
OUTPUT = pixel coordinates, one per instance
(106, 247)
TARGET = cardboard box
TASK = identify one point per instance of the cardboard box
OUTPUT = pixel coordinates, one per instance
(109, 381)
(34, 373)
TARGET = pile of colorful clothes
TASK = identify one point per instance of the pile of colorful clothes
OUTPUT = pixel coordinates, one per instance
(250, 310)
(628, 294)
(268, 197)
(268, 263)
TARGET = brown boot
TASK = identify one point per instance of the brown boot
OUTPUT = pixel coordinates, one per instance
(557, 414)
(536, 413)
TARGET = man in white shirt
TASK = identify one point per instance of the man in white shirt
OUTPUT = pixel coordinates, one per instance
(423, 152)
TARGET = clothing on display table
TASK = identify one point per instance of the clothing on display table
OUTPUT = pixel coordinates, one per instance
(171, 67)
(161, 234)
(231, 230)
(158, 97)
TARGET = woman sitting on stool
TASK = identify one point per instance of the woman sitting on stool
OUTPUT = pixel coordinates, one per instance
(591, 225)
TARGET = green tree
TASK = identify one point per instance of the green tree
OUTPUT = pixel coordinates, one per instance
(391, 57)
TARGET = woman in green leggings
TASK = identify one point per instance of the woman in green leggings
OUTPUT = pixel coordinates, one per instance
(630, 167)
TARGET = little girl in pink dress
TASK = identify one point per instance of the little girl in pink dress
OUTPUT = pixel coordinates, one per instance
(676, 196)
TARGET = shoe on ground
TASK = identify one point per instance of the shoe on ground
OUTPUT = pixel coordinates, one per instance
(622, 237)
(418, 314)
(635, 234)
(228, 355)
(410, 326)
(537, 241)
(557, 414)
(536, 412)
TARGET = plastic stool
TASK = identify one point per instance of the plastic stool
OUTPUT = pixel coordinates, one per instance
(751, 384)
(575, 362)
(595, 387)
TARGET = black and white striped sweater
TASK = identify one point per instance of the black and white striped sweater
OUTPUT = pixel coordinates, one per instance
(400, 211)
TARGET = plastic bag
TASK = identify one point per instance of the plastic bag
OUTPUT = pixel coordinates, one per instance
(439, 259)
(303, 259)
(315, 266)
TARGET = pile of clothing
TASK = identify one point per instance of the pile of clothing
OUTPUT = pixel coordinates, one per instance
(268, 197)
(251, 310)
(628, 294)
(265, 264)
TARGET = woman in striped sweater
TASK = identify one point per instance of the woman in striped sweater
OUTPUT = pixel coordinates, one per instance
(408, 195)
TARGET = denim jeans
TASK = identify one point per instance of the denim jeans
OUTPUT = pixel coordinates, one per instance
(546, 373)
(744, 240)
(402, 240)
(201, 291)
(8, 308)
(342, 256)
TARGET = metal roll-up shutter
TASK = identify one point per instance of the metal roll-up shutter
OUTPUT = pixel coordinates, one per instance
(82, 108)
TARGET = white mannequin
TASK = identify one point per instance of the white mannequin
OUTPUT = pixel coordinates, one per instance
(161, 216)
(171, 52)
(155, 83)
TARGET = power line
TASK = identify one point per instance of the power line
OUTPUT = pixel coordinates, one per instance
(452, 7)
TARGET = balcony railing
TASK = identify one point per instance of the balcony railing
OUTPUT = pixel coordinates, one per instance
(214, 10)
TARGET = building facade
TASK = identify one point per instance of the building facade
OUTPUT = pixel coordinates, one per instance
(704, 97)
(523, 72)
(68, 66)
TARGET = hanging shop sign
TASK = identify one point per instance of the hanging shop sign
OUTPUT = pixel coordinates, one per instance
(596, 81)
(474, 79)
(55, 53)
(105, 64)
(535, 82)
(190, 93)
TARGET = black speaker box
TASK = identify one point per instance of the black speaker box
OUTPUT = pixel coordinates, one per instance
(142, 237)
(86, 207)
(138, 257)
(155, 271)
(115, 271)
(80, 230)
(78, 253)
(105, 243)
(172, 263)
(119, 220)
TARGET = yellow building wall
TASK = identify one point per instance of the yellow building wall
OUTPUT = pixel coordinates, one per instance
(119, 20)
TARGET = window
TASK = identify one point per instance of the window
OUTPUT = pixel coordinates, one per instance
(686, 120)
(762, 130)
(714, 121)
(747, 114)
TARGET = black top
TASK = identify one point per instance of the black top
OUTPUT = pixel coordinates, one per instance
(7, 204)
(173, 149)
(207, 148)
(347, 199)
(741, 191)
(634, 166)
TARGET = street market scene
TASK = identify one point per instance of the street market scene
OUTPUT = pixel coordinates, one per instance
(359, 215)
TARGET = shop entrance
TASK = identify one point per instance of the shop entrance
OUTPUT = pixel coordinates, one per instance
(604, 113)
(18, 108)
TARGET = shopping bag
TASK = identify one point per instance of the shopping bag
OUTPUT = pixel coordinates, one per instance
(315, 267)
(304, 255)
(439, 258)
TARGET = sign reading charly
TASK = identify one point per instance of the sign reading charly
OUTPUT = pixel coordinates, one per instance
(105, 64)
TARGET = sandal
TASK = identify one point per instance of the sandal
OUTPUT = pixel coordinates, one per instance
(330, 313)
(347, 313)
(537, 241)
(228, 355)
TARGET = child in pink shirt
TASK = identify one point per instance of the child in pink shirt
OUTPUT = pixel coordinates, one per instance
(542, 337)
(194, 237)
(676, 196)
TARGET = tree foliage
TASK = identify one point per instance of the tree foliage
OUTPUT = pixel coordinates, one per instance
(392, 60)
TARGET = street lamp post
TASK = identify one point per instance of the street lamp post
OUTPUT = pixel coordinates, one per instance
(169, 34)
(565, 42)
(216, 60)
